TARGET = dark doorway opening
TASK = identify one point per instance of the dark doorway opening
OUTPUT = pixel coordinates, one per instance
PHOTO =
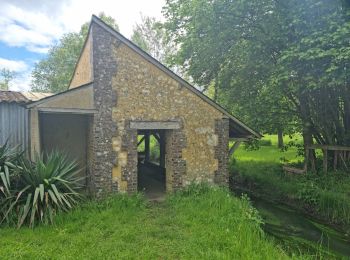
(66, 133)
(151, 163)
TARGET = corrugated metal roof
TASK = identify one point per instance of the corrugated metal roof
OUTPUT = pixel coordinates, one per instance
(21, 97)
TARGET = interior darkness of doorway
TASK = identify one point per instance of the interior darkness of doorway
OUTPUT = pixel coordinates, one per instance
(151, 162)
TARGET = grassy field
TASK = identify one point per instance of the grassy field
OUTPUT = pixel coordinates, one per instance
(327, 195)
(270, 153)
(199, 223)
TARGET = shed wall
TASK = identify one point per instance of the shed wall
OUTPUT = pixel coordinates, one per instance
(14, 125)
(83, 70)
(146, 93)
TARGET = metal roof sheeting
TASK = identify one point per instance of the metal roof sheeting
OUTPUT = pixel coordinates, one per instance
(21, 97)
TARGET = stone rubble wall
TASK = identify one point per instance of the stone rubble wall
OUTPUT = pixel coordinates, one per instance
(146, 93)
(221, 153)
(129, 88)
(104, 129)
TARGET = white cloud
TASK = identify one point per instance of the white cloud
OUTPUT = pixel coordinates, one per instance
(21, 82)
(13, 65)
(22, 28)
(22, 70)
(126, 13)
(37, 24)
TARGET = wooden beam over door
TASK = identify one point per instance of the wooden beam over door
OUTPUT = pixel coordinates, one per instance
(162, 148)
(149, 125)
(67, 110)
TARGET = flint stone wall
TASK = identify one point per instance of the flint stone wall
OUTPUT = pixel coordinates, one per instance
(127, 88)
(145, 93)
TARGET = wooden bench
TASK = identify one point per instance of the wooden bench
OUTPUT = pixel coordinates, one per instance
(293, 170)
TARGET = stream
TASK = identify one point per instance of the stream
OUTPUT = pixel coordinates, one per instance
(301, 232)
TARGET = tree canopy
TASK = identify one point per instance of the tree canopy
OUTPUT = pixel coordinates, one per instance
(151, 37)
(53, 73)
(281, 65)
(6, 76)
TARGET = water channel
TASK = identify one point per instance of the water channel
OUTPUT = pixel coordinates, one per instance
(301, 232)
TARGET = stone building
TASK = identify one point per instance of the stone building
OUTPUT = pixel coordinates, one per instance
(118, 99)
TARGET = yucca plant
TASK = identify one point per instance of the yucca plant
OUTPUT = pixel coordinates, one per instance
(47, 185)
(9, 157)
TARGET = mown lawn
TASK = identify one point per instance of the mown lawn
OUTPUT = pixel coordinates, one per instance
(198, 223)
(271, 153)
(325, 194)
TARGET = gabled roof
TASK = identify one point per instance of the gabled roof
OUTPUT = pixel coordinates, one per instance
(235, 124)
(21, 97)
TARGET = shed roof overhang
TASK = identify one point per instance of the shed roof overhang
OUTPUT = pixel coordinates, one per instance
(79, 100)
(241, 133)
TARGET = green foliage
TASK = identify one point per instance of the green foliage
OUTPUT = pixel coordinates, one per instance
(252, 145)
(261, 170)
(9, 157)
(6, 76)
(54, 72)
(151, 37)
(288, 59)
(200, 222)
(37, 191)
(264, 142)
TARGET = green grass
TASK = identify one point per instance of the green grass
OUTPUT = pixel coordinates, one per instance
(198, 223)
(270, 153)
(327, 195)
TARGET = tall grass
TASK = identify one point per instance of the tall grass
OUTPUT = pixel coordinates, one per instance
(197, 223)
(325, 194)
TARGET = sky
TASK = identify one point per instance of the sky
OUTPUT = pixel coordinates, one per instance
(29, 27)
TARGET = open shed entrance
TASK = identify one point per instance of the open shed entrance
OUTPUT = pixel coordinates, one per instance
(67, 133)
(151, 162)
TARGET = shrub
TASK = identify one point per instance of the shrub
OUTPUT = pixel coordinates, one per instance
(9, 157)
(265, 142)
(36, 191)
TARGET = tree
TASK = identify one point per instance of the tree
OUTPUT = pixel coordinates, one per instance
(151, 37)
(282, 65)
(6, 76)
(230, 47)
(53, 73)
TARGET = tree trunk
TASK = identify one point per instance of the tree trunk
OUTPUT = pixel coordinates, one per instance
(347, 119)
(307, 129)
(280, 138)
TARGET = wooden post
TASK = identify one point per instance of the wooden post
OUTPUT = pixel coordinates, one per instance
(343, 160)
(162, 149)
(335, 160)
(325, 160)
(147, 147)
(234, 148)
